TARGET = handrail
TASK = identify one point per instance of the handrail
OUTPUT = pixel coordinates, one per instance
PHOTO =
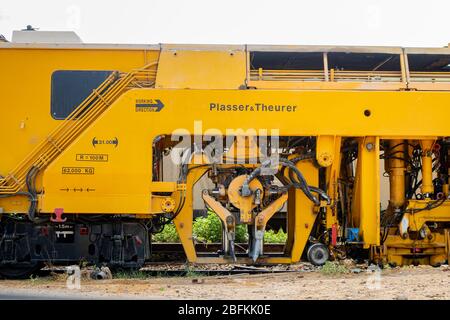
(367, 76)
(319, 75)
(293, 75)
(80, 118)
(425, 76)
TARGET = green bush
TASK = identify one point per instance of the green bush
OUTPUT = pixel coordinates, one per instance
(270, 236)
(333, 267)
(209, 229)
(169, 234)
(241, 233)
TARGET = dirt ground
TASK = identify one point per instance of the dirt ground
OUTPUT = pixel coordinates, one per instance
(422, 282)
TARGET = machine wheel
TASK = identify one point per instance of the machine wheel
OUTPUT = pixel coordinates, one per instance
(19, 271)
(318, 254)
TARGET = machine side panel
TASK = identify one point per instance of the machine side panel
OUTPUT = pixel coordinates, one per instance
(201, 69)
(125, 134)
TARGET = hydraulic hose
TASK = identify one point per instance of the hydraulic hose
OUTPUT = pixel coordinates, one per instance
(298, 181)
(31, 194)
(30, 182)
(246, 186)
(267, 162)
(320, 192)
(301, 184)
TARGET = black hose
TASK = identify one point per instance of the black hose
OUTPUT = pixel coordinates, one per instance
(305, 156)
(31, 185)
(322, 193)
(301, 181)
(246, 187)
(298, 181)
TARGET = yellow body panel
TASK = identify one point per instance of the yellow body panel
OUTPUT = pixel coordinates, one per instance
(300, 225)
(201, 69)
(220, 88)
(25, 82)
(123, 183)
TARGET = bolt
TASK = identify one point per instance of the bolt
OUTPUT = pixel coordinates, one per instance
(369, 146)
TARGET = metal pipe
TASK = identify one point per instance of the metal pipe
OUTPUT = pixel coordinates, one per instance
(427, 167)
(396, 173)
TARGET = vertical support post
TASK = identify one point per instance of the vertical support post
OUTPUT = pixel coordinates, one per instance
(403, 68)
(406, 67)
(427, 167)
(325, 66)
(332, 176)
(396, 174)
(184, 220)
(301, 213)
(367, 191)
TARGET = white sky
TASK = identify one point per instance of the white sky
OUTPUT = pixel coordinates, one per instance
(352, 22)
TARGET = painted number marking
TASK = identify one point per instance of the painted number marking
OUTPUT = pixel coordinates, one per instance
(92, 157)
(77, 170)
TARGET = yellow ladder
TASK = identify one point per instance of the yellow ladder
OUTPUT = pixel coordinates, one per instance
(81, 118)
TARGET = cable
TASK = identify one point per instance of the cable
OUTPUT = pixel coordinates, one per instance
(322, 193)
(430, 206)
(30, 182)
(31, 194)
(298, 181)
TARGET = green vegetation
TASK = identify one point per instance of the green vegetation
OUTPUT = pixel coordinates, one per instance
(272, 236)
(209, 230)
(130, 274)
(169, 234)
(34, 279)
(191, 273)
(142, 275)
(333, 267)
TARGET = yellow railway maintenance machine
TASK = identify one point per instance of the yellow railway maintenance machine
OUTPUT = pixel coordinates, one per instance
(102, 145)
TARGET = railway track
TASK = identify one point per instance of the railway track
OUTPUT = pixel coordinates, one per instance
(211, 247)
(216, 272)
(150, 271)
(169, 261)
